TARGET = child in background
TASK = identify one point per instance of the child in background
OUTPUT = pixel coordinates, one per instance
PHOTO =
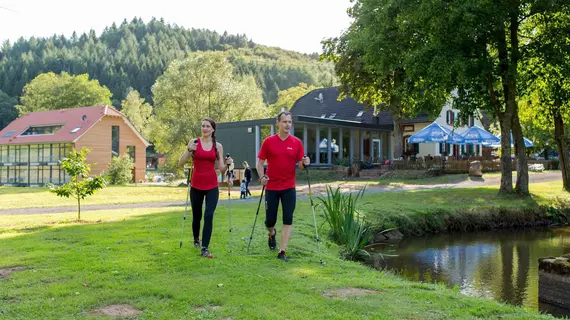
(243, 189)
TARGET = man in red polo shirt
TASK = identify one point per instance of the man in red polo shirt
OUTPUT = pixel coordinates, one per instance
(282, 152)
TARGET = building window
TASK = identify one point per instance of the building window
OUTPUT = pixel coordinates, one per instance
(131, 152)
(3, 154)
(9, 134)
(38, 130)
(449, 117)
(409, 128)
(115, 140)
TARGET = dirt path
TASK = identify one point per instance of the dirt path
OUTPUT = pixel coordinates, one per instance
(302, 191)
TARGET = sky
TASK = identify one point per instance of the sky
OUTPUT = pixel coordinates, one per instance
(298, 25)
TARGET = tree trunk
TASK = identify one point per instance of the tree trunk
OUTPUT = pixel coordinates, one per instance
(562, 144)
(521, 186)
(78, 209)
(398, 138)
(396, 105)
(506, 163)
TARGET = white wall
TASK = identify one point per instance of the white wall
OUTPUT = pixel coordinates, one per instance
(433, 148)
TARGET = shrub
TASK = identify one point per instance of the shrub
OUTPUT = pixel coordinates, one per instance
(347, 227)
(121, 170)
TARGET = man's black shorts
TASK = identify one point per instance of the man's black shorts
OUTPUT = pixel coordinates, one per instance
(288, 199)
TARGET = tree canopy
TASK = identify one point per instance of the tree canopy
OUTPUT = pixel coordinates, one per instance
(138, 112)
(50, 91)
(133, 55)
(546, 106)
(201, 85)
(286, 98)
(8, 111)
(469, 47)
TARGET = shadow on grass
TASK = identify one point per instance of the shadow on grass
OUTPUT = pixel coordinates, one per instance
(422, 180)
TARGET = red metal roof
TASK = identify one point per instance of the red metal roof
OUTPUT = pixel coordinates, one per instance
(69, 119)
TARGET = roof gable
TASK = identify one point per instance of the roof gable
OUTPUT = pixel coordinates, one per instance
(74, 122)
(324, 103)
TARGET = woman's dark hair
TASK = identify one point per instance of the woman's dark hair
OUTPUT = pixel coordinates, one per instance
(213, 124)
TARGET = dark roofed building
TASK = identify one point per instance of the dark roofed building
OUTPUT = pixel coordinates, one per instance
(323, 103)
(339, 132)
(332, 131)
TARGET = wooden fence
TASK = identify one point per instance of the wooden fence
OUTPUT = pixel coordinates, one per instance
(457, 166)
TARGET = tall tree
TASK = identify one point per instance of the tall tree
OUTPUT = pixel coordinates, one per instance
(138, 112)
(466, 45)
(50, 91)
(548, 75)
(8, 111)
(202, 85)
(371, 63)
(286, 98)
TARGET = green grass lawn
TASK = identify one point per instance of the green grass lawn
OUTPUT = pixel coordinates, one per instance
(133, 257)
(14, 197)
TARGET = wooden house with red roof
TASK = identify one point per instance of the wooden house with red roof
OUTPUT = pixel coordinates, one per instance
(32, 145)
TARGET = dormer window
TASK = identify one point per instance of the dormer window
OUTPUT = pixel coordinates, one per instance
(41, 130)
(360, 113)
(332, 116)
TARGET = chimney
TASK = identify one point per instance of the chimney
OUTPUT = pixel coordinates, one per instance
(375, 119)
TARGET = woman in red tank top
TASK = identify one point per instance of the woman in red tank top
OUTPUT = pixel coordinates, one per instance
(206, 151)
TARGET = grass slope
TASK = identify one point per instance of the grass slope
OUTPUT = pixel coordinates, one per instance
(132, 257)
(433, 211)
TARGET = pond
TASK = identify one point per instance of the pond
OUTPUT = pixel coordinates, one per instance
(500, 265)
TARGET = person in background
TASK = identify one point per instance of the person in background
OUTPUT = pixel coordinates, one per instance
(242, 189)
(247, 173)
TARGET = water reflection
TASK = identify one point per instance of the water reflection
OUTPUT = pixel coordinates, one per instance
(500, 265)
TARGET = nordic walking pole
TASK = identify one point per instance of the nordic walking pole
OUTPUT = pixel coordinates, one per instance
(229, 176)
(188, 180)
(314, 217)
(255, 220)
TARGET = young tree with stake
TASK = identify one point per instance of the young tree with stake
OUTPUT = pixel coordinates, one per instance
(81, 184)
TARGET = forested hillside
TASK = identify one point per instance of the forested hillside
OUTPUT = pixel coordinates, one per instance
(135, 53)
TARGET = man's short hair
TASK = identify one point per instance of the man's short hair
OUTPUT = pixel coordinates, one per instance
(283, 113)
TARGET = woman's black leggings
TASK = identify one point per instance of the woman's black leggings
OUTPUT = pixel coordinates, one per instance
(196, 199)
